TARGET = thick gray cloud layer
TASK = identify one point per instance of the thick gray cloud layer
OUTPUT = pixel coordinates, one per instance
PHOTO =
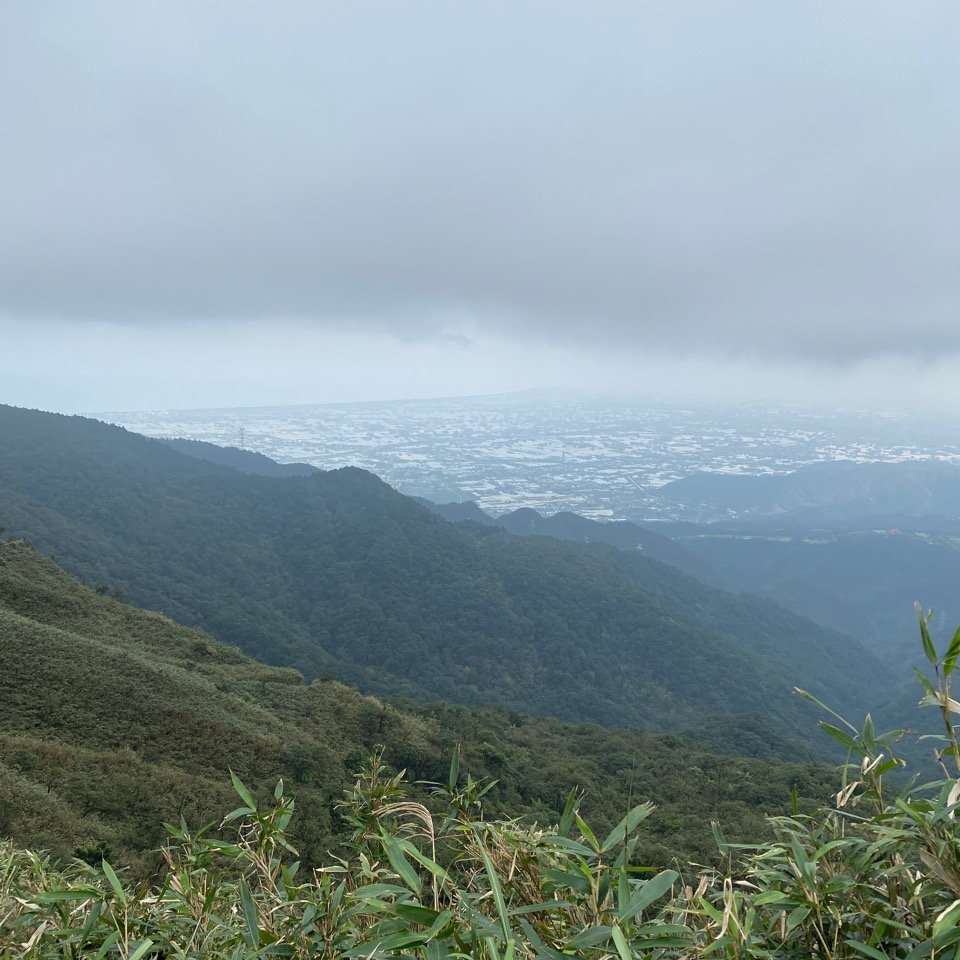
(779, 178)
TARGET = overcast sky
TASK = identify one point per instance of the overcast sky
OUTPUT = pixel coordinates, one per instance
(230, 202)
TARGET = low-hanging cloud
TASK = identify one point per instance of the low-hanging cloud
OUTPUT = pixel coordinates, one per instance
(777, 179)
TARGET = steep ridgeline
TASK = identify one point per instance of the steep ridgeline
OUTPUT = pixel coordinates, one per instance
(336, 572)
(113, 720)
(246, 461)
(570, 526)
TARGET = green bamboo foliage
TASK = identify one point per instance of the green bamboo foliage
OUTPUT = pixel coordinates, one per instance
(875, 874)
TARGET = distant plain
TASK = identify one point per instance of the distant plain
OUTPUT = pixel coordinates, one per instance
(554, 451)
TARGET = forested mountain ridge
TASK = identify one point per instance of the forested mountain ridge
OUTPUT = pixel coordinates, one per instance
(338, 572)
(848, 544)
(113, 719)
(569, 526)
(863, 581)
(524, 521)
(246, 461)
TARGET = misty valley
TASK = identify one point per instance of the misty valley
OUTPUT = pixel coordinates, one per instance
(844, 517)
(178, 612)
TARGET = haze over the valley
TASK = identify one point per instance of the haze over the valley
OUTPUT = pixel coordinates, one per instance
(304, 203)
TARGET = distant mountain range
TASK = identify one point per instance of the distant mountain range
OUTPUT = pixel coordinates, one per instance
(838, 491)
(336, 572)
(862, 581)
(569, 526)
(850, 545)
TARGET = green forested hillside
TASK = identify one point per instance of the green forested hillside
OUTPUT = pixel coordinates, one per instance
(336, 572)
(246, 461)
(569, 526)
(113, 719)
(863, 581)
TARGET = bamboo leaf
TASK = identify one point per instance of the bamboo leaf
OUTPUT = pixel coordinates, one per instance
(947, 918)
(497, 892)
(588, 834)
(401, 864)
(56, 896)
(245, 795)
(541, 949)
(924, 682)
(626, 826)
(423, 860)
(866, 950)
(252, 936)
(943, 700)
(620, 942)
(540, 907)
(114, 882)
(718, 837)
(443, 920)
(652, 890)
(590, 937)
(928, 649)
(454, 770)
(823, 706)
(569, 809)
(415, 913)
(107, 944)
(437, 950)
(953, 651)
(141, 951)
(843, 738)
